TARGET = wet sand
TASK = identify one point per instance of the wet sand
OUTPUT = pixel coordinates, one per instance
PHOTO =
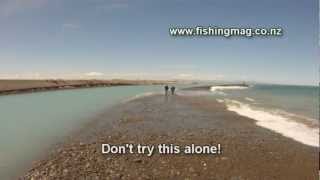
(25, 86)
(248, 151)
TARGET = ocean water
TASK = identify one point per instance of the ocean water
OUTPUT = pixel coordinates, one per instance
(32, 123)
(292, 111)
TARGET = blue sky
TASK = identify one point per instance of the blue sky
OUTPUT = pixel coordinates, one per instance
(130, 39)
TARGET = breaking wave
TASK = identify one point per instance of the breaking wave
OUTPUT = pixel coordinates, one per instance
(278, 121)
(215, 88)
(249, 99)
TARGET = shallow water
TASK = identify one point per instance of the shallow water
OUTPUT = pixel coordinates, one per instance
(31, 123)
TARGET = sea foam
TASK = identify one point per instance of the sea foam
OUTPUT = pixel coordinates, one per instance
(215, 88)
(250, 99)
(277, 122)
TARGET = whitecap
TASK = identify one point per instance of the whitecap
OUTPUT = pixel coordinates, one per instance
(215, 88)
(277, 122)
(249, 99)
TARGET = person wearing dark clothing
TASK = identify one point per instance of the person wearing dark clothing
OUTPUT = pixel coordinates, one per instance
(166, 89)
(172, 90)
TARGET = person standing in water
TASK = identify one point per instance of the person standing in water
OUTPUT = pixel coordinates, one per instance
(166, 89)
(173, 90)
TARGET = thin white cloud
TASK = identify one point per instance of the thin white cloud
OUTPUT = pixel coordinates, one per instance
(11, 7)
(112, 5)
(70, 26)
(179, 67)
(94, 74)
(26, 75)
(184, 75)
(196, 76)
(119, 5)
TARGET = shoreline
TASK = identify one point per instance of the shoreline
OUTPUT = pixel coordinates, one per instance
(28, 86)
(249, 151)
